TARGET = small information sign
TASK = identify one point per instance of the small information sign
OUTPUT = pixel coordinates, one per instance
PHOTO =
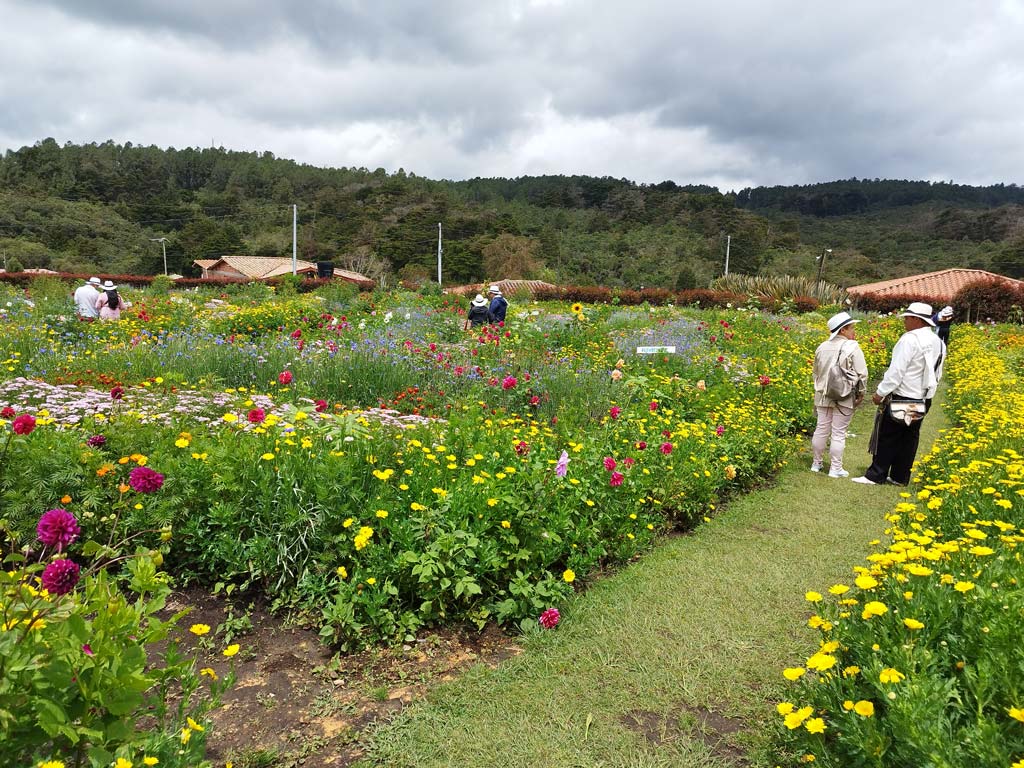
(655, 350)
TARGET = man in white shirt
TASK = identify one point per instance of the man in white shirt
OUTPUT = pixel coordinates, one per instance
(85, 300)
(913, 375)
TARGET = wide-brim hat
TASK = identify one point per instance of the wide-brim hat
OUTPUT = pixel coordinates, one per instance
(494, 288)
(93, 281)
(946, 313)
(479, 301)
(920, 310)
(837, 322)
(109, 286)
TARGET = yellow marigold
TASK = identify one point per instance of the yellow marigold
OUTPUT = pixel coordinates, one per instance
(866, 582)
(230, 418)
(199, 629)
(122, 763)
(793, 673)
(821, 662)
(1016, 713)
(52, 764)
(268, 457)
(874, 608)
(569, 576)
(838, 589)
(784, 707)
(815, 725)
(342, 572)
(964, 586)
(890, 675)
(230, 651)
(795, 719)
(208, 672)
(506, 524)
(913, 624)
(812, 597)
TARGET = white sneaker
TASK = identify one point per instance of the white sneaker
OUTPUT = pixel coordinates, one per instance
(838, 473)
(815, 467)
(863, 480)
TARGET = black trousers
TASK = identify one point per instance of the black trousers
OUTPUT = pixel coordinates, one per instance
(897, 448)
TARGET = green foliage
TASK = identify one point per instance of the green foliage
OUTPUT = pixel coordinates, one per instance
(161, 285)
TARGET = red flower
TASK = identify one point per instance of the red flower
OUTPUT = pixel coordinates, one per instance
(535, 400)
(654, 405)
(297, 333)
(616, 479)
(522, 448)
(666, 448)
(57, 528)
(614, 411)
(763, 380)
(7, 412)
(24, 424)
(641, 445)
(321, 406)
(719, 430)
(117, 392)
(550, 618)
(509, 382)
(257, 416)
(629, 461)
(609, 463)
(284, 377)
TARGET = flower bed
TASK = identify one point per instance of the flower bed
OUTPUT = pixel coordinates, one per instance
(920, 659)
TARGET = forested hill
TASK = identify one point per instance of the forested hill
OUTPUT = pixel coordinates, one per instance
(98, 207)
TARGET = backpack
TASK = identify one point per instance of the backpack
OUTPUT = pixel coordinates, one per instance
(841, 381)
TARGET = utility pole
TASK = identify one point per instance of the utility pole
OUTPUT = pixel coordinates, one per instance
(295, 239)
(163, 245)
(728, 243)
(439, 251)
(821, 269)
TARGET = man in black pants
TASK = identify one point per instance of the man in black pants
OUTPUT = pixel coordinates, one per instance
(912, 377)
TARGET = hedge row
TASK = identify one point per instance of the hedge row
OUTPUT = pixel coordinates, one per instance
(704, 298)
(998, 300)
(24, 280)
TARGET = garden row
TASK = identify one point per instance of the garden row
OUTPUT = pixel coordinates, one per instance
(920, 660)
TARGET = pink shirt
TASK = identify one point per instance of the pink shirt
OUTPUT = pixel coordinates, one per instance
(106, 313)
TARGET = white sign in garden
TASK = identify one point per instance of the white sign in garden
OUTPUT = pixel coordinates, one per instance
(655, 350)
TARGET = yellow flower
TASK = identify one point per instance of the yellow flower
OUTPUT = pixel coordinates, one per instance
(838, 589)
(793, 673)
(371, 581)
(348, 522)
(963, 586)
(890, 675)
(199, 629)
(506, 524)
(65, 499)
(230, 418)
(812, 597)
(866, 582)
(181, 443)
(492, 502)
(186, 734)
(122, 763)
(821, 662)
(231, 650)
(52, 764)
(913, 624)
(864, 708)
(194, 725)
(795, 719)
(569, 576)
(208, 672)
(874, 608)
(381, 513)
(342, 573)
(150, 760)
(815, 725)
(416, 507)
(268, 457)
(1016, 713)
(783, 707)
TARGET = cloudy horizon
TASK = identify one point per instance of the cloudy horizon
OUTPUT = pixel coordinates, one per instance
(740, 94)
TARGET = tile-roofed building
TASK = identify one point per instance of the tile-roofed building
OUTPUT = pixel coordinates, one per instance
(508, 287)
(265, 267)
(934, 287)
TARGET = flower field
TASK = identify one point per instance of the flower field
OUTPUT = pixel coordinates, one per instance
(362, 462)
(920, 660)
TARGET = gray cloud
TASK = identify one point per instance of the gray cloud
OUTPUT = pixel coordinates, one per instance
(732, 94)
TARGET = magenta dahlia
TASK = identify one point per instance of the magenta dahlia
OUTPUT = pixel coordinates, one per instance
(60, 577)
(549, 619)
(57, 528)
(24, 424)
(145, 480)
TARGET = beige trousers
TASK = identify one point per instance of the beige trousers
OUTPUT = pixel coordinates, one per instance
(832, 422)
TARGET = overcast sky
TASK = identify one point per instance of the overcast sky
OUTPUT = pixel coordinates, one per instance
(731, 93)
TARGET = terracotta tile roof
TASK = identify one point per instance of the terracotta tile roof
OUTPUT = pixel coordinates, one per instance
(264, 267)
(935, 287)
(508, 287)
(205, 263)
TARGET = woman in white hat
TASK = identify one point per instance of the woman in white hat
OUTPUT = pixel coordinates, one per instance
(110, 302)
(477, 312)
(840, 350)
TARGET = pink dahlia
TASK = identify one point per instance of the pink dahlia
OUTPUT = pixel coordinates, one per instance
(614, 411)
(609, 463)
(550, 618)
(24, 424)
(321, 406)
(509, 382)
(641, 445)
(616, 479)
(654, 405)
(117, 392)
(284, 377)
(6, 412)
(96, 441)
(145, 480)
(719, 430)
(666, 448)
(763, 380)
(57, 528)
(257, 416)
(522, 448)
(60, 577)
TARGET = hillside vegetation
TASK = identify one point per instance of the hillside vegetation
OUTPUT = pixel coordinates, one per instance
(97, 207)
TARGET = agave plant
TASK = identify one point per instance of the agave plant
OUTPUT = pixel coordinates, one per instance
(780, 287)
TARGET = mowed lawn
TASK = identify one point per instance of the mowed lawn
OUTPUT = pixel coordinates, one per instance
(675, 660)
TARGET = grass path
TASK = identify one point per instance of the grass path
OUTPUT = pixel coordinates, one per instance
(675, 660)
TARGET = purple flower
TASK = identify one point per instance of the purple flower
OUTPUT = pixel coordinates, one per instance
(562, 467)
(96, 441)
(60, 577)
(57, 528)
(145, 480)
(549, 619)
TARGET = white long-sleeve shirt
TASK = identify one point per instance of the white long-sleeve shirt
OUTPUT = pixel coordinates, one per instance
(85, 301)
(916, 366)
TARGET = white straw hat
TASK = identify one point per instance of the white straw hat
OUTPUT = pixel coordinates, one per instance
(920, 310)
(479, 301)
(109, 286)
(837, 322)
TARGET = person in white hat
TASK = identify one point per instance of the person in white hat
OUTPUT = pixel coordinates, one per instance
(943, 320)
(110, 302)
(834, 415)
(498, 307)
(911, 380)
(477, 312)
(85, 300)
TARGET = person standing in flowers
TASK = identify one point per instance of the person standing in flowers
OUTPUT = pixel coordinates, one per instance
(906, 391)
(110, 302)
(842, 349)
(85, 297)
(498, 307)
(477, 312)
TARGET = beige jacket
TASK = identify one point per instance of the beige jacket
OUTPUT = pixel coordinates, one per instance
(850, 356)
